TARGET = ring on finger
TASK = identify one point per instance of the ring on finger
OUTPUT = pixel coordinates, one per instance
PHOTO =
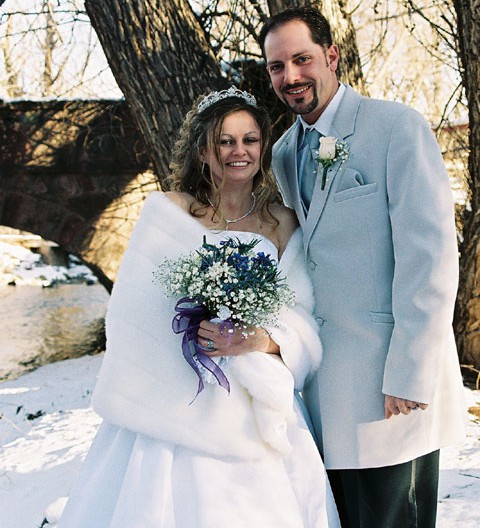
(210, 345)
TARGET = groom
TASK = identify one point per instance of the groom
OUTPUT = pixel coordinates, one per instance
(380, 242)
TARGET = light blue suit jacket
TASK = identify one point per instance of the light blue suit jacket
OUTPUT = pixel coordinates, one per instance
(380, 243)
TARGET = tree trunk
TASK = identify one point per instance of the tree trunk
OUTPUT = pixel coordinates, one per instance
(161, 61)
(467, 319)
(343, 34)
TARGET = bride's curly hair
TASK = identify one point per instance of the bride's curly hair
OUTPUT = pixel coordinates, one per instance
(201, 131)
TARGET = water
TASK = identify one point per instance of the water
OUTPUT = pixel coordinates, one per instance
(42, 325)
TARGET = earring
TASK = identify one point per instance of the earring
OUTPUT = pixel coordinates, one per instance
(203, 166)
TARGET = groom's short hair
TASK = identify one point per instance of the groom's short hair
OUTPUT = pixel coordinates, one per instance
(316, 22)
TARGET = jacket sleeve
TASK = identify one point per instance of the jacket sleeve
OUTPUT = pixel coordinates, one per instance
(426, 259)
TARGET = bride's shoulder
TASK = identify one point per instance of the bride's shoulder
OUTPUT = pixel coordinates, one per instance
(183, 200)
(286, 217)
(287, 223)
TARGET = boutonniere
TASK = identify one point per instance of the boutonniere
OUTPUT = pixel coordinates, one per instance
(330, 151)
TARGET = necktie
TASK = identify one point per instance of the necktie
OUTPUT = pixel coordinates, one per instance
(307, 165)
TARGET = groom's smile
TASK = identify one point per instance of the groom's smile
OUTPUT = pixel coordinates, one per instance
(301, 98)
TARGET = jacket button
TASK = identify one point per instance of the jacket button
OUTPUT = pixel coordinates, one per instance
(320, 321)
(312, 264)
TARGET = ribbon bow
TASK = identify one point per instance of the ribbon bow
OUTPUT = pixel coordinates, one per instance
(187, 320)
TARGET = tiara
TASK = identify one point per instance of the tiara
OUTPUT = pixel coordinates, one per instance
(214, 97)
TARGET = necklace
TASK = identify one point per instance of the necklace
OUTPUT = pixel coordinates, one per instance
(249, 212)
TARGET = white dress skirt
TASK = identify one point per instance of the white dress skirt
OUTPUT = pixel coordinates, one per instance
(133, 481)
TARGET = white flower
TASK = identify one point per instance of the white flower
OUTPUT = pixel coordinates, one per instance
(330, 151)
(327, 149)
(224, 312)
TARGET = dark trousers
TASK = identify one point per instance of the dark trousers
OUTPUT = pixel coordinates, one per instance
(400, 496)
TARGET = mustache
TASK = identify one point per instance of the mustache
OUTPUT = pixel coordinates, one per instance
(294, 86)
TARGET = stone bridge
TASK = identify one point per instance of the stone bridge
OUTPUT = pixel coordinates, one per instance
(75, 173)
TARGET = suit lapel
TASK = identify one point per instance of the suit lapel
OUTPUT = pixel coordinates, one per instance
(343, 126)
(317, 204)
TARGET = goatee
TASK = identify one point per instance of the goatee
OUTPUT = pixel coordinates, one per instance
(301, 109)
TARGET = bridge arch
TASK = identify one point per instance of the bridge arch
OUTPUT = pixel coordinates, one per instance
(75, 173)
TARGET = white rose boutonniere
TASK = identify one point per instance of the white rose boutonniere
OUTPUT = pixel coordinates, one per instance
(330, 151)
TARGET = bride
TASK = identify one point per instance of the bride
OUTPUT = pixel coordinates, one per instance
(241, 459)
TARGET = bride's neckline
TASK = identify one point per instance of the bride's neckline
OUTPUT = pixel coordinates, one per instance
(197, 222)
(235, 220)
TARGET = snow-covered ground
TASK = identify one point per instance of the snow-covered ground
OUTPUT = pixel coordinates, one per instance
(19, 265)
(46, 427)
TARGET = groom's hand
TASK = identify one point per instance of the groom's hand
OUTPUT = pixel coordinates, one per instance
(394, 405)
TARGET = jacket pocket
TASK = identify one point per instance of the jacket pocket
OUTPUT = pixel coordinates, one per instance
(382, 317)
(351, 185)
(361, 190)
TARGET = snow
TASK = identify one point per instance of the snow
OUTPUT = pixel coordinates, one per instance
(46, 427)
(20, 266)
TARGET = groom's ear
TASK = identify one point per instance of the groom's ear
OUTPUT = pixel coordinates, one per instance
(332, 54)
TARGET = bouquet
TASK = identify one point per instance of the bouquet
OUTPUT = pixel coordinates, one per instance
(229, 283)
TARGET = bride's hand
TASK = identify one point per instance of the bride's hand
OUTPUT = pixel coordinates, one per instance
(221, 340)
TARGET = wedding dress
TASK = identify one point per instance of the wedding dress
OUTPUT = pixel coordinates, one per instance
(133, 480)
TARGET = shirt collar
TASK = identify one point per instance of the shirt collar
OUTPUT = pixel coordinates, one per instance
(324, 123)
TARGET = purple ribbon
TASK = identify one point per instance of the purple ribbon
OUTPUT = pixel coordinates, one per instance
(187, 320)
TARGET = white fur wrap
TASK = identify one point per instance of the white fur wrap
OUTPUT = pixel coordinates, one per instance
(145, 384)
